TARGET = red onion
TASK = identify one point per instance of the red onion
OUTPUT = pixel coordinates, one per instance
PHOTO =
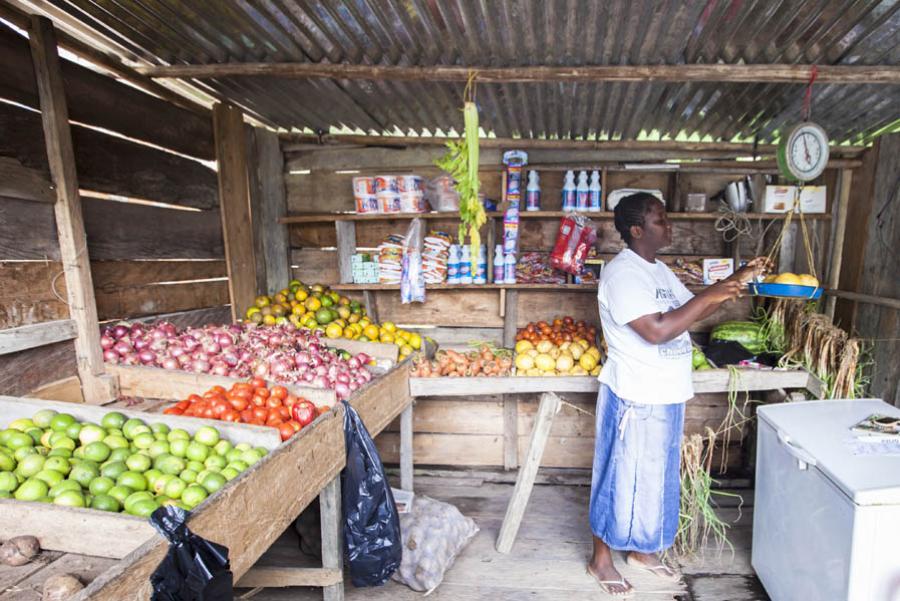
(140, 344)
(341, 390)
(107, 341)
(220, 369)
(120, 330)
(110, 356)
(200, 366)
(353, 363)
(211, 347)
(147, 357)
(122, 347)
(189, 343)
(353, 386)
(230, 359)
(169, 363)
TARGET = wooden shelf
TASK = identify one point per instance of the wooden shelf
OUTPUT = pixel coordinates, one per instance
(328, 217)
(559, 287)
(713, 380)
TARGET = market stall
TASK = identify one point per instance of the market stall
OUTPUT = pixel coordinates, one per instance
(218, 226)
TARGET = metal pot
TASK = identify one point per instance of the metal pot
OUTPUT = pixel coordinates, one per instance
(738, 196)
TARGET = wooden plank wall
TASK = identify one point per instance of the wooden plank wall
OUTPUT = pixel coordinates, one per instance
(149, 200)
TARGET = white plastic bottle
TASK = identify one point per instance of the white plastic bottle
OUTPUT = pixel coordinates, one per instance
(509, 268)
(465, 266)
(481, 275)
(453, 265)
(582, 192)
(568, 192)
(594, 192)
(498, 264)
(533, 192)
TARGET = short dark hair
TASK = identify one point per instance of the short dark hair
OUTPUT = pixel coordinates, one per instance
(631, 211)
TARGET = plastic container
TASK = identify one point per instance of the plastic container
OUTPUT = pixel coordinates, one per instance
(582, 192)
(465, 266)
(364, 195)
(511, 229)
(453, 265)
(594, 192)
(568, 192)
(785, 291)
(498, 264)
(533, 192)
(509, 268)
(481, 275)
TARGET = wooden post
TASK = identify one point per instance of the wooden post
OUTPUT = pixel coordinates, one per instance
(346, 246)
(273, 206)
(371, 302)
(332, 541)
(509, 318)
(528, 472)
(406, 448)
(95, 385)
(234, 200)
(837, 243)
(510, 431)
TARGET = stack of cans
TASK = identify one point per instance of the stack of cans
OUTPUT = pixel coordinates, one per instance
(364, 194)
(389, 194)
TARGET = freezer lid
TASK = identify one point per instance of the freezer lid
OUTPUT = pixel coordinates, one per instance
(819, 430)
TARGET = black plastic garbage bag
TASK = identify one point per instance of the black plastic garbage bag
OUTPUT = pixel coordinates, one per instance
(726, 352)
(371, 524)
(194, 569)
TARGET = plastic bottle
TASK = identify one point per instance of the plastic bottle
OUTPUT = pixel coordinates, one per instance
(481, 274)
(465, 266)
(498, 264)
(509, 268)
(533, 192)
(568, 192)
(594, 192)
(582, 192)
(453, 265)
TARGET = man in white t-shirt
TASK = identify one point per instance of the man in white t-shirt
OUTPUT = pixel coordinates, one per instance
(645, 313)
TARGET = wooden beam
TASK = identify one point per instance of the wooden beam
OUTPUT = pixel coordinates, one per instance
(13, 340)
(234, 200)
(406, 448)
(332, 537)
(69, 222)
(346, 247)
(550, 404)
(293, 142)
(869, 299)
(273, 206)
(837, 242)
(773, 73)
(281, 577)
(108, 61)
(18, 181)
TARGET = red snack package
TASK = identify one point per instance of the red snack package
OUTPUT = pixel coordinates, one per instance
(574, 239)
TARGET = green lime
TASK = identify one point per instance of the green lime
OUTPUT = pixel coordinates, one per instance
(84, 472)
(179, 447)
(193, 495)
(120, 493)
(171, 465)
(223, 447)
(43, 418)
(138, 463)
(62, 487)
(160, 428)
(207, 435)
(238, 465)
(197, 452)
(116, 441)
(91, 433)
(230, 473)
(119, 454)
(113, 469)
(62, 441)
(61, 421)
(188, 475)
(97, 451)
(58, 464)
(23, 452)
(22, 424)
(8, 481)
(213, 482)
(152, 475)
(178, 434)
(144, 508)
(69, 498)
(105, 503)
(175, 487)
(31, 490)
(51, 477)
(64, 453)
(132, 480)
(16, 440)
(35, 434)
(250, 457)
(31, 465)
(136, 497)
(215, 463)
(113, 419)
(159, 485)
(143, 440)
(7, 462)
(101, 485)
(73, 431)
(195, 465)
(159, 447)
(133, 427)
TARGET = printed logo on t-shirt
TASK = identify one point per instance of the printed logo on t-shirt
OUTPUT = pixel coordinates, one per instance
(665, 294)
(680, 346)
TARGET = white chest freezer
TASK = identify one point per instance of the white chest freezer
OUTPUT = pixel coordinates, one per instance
(826, 522)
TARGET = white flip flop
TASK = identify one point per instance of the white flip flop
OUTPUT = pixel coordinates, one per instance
(661, 571)
(605, 584)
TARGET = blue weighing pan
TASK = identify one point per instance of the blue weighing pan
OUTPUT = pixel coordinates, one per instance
(785, 291)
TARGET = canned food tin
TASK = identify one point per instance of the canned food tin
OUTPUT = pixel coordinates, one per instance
(364, 186)
(386, 183)
(367, 203)
(412, 202)
(388, 202)
(410, 183)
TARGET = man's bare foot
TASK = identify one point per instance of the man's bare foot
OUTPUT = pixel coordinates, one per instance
(609, 578)
(653, 564)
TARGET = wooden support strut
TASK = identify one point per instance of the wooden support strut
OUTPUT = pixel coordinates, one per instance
(777, 73)
(837, 243)
(96, 386)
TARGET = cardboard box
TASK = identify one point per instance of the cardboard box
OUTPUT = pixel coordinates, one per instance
(780, 199)
(715, 270)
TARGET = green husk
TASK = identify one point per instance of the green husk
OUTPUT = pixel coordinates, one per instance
(461, 162)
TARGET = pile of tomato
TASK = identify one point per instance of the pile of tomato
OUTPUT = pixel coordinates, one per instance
(252, 402)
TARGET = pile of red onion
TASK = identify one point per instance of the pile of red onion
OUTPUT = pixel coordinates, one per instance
(279, 353)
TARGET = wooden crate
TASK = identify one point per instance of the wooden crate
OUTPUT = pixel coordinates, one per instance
(90, 531)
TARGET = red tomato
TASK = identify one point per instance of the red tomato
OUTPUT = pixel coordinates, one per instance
(183, 405)
(217, 389)
(173, 410)
(242, 387)
(279, 392)
(258, 400)
(297, 427)
(273, 402)
(260, 413)
(247, 416)
(230, 416)
(243, 393)
(290, 401)
(262, 391)
(286, 430)
(284, 412)
(220, 407)
(274, 421)
(209, 412)
(239, 404)
(257, 383)
(195, 398)
(304, 412)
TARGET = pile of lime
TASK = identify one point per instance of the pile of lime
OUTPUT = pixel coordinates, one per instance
(118, 465)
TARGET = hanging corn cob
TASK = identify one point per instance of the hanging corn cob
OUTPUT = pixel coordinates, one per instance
(461, 162)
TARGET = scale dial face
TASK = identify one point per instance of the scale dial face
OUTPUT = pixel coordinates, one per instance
(803, 152)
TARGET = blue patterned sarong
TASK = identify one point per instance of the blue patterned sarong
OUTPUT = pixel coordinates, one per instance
(635, 486)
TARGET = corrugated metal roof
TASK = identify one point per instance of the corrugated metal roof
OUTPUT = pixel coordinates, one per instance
(522, 33)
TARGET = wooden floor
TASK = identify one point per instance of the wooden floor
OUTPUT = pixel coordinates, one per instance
(547, 561)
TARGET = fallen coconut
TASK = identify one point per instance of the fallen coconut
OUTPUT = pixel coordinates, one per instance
(60, 587)
(19, 550)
